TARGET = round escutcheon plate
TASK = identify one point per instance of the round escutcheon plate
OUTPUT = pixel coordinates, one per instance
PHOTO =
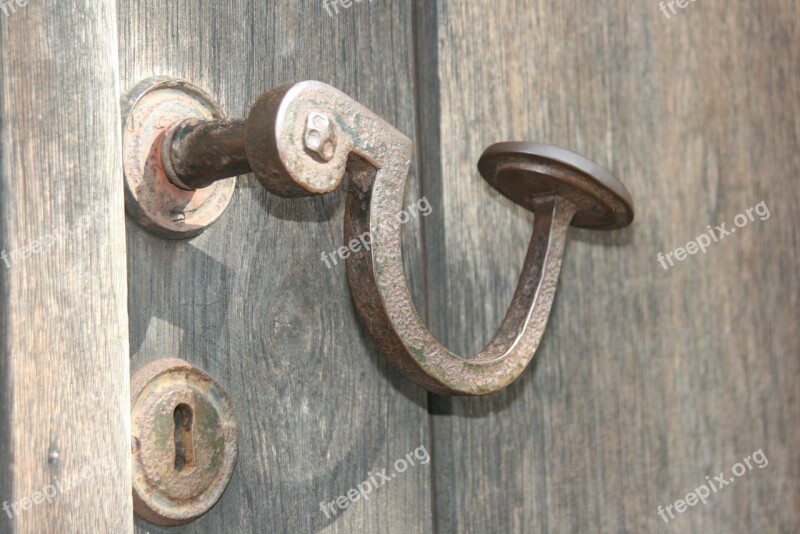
(183, 442)
(148, 111)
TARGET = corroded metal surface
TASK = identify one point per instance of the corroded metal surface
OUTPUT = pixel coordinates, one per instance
(149, 112)
(320, 136)
(183, 445)
(195, 153)
(300, 141)
(559, 186)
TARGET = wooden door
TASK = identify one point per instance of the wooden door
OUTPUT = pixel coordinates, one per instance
(250, 300)
(64, 372)
(647, 380)
(657, 369)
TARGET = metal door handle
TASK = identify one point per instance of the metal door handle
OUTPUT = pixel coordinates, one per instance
(300, 139)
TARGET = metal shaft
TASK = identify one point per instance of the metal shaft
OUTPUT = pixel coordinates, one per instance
(196, 153)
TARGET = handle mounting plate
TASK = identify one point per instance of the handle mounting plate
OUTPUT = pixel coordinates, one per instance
(150, 109)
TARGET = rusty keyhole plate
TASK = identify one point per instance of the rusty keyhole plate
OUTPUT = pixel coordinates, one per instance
(183, 442)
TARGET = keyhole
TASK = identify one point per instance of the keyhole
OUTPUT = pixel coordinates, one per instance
(184, 450)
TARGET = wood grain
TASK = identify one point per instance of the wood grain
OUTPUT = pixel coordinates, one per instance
(647, 380)
(251, 301)
(64, 327)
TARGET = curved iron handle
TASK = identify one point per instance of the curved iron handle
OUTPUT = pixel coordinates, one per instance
(300, 139)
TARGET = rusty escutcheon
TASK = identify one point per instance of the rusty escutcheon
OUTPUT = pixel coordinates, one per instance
(184, 444)
(301, 139)
(160, 204)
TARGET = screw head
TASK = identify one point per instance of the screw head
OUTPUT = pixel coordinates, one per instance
(320, 136)
(184, 442)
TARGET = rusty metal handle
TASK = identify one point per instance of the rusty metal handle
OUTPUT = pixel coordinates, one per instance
(300, 139)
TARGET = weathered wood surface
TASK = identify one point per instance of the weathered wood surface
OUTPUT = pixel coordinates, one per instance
(251, 301)
(64, 423)
(647, 380)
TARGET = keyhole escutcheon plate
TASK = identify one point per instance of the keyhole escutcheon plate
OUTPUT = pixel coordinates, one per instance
(184, 442)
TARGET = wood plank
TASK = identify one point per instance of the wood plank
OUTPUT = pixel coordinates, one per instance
(65, 427)
(251, 301)
(647, 380)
